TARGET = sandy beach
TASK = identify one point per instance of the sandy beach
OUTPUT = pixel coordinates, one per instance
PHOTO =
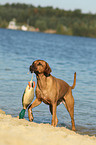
(14, 131)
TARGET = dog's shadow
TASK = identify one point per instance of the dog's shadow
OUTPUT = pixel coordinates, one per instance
(64, 125)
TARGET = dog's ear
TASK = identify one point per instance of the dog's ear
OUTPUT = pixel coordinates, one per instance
(47, 69)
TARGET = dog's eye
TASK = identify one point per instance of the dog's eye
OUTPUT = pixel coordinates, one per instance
(39, 63)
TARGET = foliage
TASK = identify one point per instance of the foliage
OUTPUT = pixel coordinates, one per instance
(41, 25)
(3, 23)
(64, 22)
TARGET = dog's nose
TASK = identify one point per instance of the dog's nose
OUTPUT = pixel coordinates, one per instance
(30, 68)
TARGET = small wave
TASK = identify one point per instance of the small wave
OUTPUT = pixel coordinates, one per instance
(8, 69)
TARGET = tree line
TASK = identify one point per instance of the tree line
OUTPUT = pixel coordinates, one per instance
(64, 22)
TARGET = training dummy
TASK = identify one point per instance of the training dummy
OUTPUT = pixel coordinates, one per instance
(27, 97)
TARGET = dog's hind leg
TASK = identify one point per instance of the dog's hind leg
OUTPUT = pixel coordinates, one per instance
(69, 104)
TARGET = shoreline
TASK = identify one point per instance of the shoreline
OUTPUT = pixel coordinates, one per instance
(21, 132)
(49, 32)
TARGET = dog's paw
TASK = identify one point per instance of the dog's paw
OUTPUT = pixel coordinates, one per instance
(30, 115)
(31, 118)
(73, 128)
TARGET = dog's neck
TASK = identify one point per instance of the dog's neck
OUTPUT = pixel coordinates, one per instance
(41, 81)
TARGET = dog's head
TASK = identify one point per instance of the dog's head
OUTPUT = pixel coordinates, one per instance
(39, 67)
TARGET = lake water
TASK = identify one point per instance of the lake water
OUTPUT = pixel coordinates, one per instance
(65, 55)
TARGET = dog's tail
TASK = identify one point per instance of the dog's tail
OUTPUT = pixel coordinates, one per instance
(74, 83)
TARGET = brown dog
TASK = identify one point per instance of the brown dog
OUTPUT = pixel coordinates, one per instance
(51, 91)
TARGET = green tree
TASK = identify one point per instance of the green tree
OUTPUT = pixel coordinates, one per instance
(41, 25)
(61, 29)
(3, 24)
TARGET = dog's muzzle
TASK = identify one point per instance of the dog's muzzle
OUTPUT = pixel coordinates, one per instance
(31, 68)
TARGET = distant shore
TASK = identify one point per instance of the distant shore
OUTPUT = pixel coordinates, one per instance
(14, 131)
(40, 19)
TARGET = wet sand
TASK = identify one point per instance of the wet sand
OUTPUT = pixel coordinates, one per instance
(14, 131)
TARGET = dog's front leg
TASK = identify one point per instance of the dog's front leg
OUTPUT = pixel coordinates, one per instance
(54, 117)
(34, 104)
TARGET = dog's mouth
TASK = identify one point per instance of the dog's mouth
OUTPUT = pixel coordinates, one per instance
(33, 69)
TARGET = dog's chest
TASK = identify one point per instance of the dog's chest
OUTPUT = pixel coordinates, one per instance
(44, 89)
(43, 94)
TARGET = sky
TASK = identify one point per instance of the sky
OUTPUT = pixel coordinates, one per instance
(86, 6)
